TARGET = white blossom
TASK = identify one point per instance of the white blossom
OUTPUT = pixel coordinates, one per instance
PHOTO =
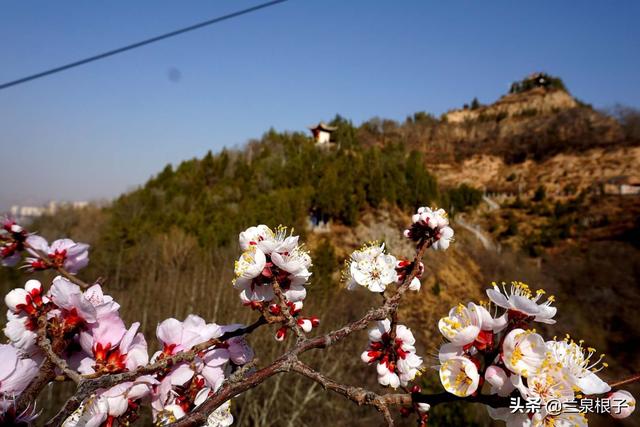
(371, 268)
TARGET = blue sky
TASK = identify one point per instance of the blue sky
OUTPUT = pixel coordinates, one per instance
(101, 129)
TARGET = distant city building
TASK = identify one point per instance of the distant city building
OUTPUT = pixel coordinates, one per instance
(322, 133)
(26, 214)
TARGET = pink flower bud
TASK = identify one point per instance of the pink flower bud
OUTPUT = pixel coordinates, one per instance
(305, 324)
(296, 307)
(281, 334)
(315, 322)
(499, 380)
(16, 300)
(622, 404)
(370, 355)
(34, 287)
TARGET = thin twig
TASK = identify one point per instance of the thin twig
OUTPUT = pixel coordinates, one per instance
(629, 380)
(358, 395)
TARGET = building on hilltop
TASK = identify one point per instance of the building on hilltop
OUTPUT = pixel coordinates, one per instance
(322, 133)
(535, 80)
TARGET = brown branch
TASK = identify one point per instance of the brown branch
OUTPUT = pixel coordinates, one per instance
(72, 278)
(626, 381)
(358, 395)
(45, 344)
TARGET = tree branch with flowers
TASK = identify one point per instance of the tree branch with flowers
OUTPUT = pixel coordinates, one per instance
(71, 330)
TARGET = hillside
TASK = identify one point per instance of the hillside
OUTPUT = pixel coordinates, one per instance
(547, 165)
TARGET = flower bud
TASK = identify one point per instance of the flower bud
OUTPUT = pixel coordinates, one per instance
(16, 299)
(296, 307)
(305, 324)
(622, 404)
(423, 407)
(34, 287)
(499, 381)
(315, 322)
(281, 334)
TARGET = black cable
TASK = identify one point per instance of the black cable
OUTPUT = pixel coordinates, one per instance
(138, 44)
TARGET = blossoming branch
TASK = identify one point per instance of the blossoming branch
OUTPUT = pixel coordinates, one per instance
(72, 330)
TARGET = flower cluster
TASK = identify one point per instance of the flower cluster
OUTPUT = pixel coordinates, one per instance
(61, 254)
(393, 353)
(430, 224)
(185, 386)
(373, 268)
(84, 329)
(271, 258)
(504, 352)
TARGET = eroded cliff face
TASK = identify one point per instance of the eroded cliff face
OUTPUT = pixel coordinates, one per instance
(562, 175)
(536, 124)
(540, 100)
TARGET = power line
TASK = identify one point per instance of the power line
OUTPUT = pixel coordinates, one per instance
(139, 44)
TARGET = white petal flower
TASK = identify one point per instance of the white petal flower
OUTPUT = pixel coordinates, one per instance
(579, 363)
(546, 385)
(372, 268)
(520, 299)
(398, 363)
(462, 325)
(459, 376)
(250, 264)
(563, 419)
(280, 241)
(523, 352)
(431, 224)
(444, 237)
(253, 235)
(221, 417)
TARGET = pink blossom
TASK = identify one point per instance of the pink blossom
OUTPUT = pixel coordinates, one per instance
(16, 372)
(113, 402)
(178, 336)
(68, 297)
(64, 253)
(113, 348)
